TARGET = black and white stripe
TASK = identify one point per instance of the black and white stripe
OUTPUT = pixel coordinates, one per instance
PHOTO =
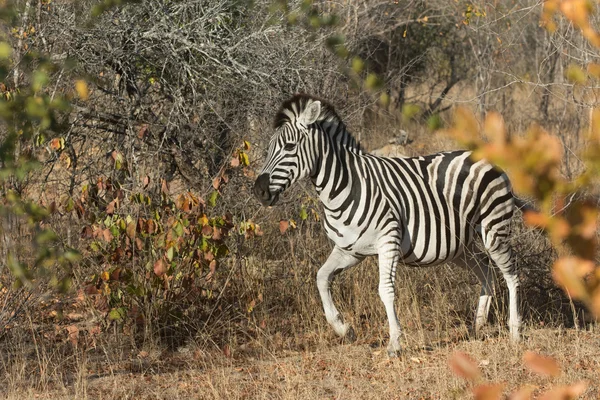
(416, 211)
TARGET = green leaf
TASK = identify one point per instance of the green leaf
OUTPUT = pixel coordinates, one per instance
(178, 229)
(115, 231)
(72, 256)
(5, 50)
(70, 205)
(373, 82)
(170, 253)
(357, 65)
(410, 111)
(40, 79)
(117, 314)
(435, 122)
(46, 236)
(212, 199)
(303, 214)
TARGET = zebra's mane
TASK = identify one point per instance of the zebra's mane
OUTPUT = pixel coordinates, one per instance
(298, 103)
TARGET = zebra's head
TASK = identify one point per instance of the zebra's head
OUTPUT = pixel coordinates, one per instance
(291, 156)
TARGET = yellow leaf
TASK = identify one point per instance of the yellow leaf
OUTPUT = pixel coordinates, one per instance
(82, 89)
(575, 74)
(105, 276)
(203, 220)
(244, 159)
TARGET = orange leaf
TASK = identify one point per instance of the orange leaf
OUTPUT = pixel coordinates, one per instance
(565, 392)
(73, 332)
(142, 131)
(160, 267)
(595, 125)
(596, 300)
(283, 226)
(540, 364)
(212, 268)
(523, 393)
(494, 129)
(464, 366)
(536, 219)
(164, 188)
(110, 208)
(569, 273)
(227, 351)
(107, 236)
(216, 182)
(131, 230)
(488, 391)
(151, 226)
(57, 143)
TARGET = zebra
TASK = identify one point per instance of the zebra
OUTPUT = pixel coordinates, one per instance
(418, 211)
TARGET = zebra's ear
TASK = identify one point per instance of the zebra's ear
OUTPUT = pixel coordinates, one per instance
(311, 113)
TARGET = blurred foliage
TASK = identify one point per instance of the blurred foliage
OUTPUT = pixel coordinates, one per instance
(533, 162)
(466, 367)
(31, 119)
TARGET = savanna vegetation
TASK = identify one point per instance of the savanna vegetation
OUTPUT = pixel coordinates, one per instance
(135, 262)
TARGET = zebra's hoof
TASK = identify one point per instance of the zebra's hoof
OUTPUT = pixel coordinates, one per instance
(394, 349)
(350, 336)
(394, 353)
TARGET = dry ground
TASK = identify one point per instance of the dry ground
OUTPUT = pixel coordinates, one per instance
(332, 371)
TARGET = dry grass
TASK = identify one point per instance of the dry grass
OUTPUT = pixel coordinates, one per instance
(334, 371)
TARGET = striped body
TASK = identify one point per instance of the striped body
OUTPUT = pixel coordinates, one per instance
(417, 211)
(429, 205)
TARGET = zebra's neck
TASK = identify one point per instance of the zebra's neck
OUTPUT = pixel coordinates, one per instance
(336, 172)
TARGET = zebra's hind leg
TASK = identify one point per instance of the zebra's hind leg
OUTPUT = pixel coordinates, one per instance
(388, 261)
(501, 254)
(338, 260)
(477, 261)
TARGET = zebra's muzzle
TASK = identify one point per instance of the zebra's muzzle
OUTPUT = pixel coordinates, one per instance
(262, 193)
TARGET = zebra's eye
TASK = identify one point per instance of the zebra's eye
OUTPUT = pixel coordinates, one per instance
(289, 146)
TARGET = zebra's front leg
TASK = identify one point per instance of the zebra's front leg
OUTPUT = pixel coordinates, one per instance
(388, 262)
(338, 260)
